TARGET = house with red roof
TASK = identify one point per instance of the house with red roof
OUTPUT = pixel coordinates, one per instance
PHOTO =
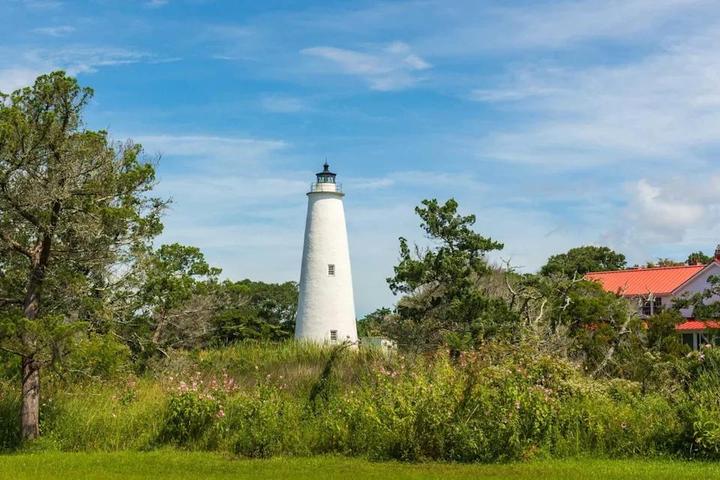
(655, 288)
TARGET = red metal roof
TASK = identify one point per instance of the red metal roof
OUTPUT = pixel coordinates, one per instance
(696, 325)
(641, 281)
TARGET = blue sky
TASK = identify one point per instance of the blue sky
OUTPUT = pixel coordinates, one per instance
(556, 123)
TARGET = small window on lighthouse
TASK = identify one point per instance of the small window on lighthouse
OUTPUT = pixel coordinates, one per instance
(331, 269)
(333, 335)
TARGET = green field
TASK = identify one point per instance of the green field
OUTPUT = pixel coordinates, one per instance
(168, 464)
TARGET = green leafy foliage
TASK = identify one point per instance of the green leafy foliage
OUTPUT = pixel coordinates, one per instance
(189, 415)
(443, 300)
(664, 262)
(373, 324)
(73, 205)
(581, 260)
(255, 311)
(698, 258)
(97, 356)
(172, 303)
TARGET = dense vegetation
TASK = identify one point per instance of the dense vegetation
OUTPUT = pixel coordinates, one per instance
(144, 346)
(495, 403)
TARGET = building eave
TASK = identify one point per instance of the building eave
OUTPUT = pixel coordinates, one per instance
(691, 279)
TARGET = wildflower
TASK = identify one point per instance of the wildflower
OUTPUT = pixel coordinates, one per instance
(220, 413)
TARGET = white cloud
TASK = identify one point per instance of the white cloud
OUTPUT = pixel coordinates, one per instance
(13, 78)
(567, 23)
(210, 148)
(88, 59)
(659, 109)
(662, 212)
(461, 29)
(57, 31)
(680, 210)
(20, 68)
(393, 67)
(360, 183)
(233, 191)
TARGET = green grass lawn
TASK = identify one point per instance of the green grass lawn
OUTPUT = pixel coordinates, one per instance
(168, 464)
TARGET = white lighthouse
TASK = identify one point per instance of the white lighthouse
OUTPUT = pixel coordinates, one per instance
(326, 307)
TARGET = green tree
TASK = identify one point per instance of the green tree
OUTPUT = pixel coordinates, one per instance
(174, 303)
(662, 337)
(443, 300)
(255, 311)
(664, 262)
(698, 257)
(72, 206)
(373, 324)
(581, 260)
(601, 324)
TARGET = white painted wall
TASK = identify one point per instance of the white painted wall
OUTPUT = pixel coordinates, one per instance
(698, 285)
(326, 302)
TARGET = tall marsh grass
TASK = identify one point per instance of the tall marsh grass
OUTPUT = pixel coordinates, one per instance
(264, 399)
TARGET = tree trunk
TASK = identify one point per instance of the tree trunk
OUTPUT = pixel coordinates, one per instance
(30, 408)
(157, 334)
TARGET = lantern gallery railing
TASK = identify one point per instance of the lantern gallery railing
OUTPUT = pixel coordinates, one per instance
(325, 187)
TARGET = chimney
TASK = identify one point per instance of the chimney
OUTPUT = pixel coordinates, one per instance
(717, 253)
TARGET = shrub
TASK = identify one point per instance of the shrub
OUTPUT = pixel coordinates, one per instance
(702, 409)
(99, 356)
(189, 416)
(266, 423)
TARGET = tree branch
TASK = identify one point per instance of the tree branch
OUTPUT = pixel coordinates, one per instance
(14, 245)
(23, 213)
(11, 351)
(613, 347)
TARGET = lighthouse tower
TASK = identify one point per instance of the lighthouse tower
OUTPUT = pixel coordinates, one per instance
(326, 308)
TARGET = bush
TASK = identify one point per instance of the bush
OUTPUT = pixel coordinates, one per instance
(702, 409)
(98, 356)
(266, 423)
(189, 416)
